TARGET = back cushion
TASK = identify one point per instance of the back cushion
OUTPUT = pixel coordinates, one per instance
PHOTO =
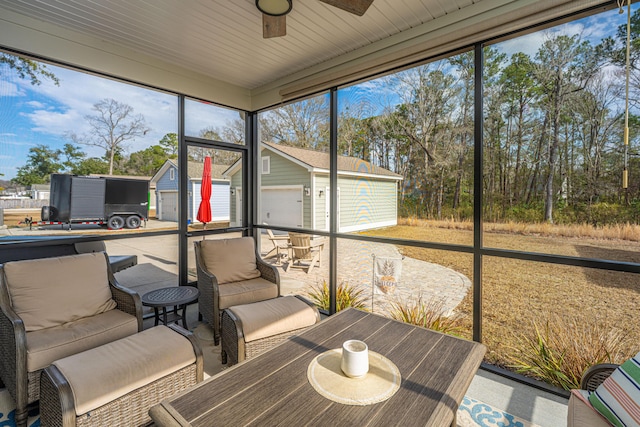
(230, 260)
(48, 292)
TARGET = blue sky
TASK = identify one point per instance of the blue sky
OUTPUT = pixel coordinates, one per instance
(44, 114)
(33, 115)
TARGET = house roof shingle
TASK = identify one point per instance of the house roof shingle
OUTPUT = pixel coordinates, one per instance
(320, 160)
(194, 170)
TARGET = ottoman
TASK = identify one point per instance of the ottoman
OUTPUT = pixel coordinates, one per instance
(115, 384)
(248, 330)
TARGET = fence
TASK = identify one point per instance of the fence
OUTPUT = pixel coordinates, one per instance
(23, 203)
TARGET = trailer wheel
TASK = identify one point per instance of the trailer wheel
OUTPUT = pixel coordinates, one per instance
(133, 221)
(115, 222)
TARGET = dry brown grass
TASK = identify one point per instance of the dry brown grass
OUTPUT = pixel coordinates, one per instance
(516, 293)
(630, 232)
(560, 352)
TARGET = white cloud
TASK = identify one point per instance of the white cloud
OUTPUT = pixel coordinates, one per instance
(79, 92)
(9, 89)
(54, 122)
(35, 104)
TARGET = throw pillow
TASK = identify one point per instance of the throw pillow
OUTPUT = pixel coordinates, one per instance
(618, 397)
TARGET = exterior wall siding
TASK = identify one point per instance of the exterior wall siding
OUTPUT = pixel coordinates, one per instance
(321, 182)
(236, 183)
(364, 203)
(367, 203)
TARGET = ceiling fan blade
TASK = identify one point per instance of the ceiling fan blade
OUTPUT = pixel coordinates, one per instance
(273, 26)
(358, 7)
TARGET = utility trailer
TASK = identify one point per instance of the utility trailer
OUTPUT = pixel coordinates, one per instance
(114, 202)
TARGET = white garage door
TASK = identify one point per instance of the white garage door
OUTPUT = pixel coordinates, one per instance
(281, 207)
(219, 201)
(168, 206)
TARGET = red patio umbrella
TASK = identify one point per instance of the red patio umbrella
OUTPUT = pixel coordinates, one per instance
(204, 211)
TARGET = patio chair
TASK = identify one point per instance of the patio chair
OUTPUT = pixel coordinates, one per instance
(280, 246)
(52, 308)
(580, 412)
(304, 253)
(231, 272)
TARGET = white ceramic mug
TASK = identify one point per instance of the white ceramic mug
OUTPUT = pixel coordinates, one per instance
(355, 358)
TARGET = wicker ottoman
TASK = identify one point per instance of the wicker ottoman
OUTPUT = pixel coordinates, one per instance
(250, 329)
(116, 384)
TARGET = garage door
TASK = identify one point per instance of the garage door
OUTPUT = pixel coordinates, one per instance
(281, 207)
(168, 206)
(219, 201)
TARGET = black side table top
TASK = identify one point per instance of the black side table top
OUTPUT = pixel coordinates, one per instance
(173, 295)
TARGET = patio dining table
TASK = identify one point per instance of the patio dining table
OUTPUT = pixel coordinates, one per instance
(273, 388)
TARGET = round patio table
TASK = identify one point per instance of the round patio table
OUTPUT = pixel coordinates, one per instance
(176, 296)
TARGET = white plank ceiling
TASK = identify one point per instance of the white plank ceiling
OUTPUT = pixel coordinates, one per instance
(223, 38)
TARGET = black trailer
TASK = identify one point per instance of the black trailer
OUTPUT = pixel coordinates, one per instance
(114, 202)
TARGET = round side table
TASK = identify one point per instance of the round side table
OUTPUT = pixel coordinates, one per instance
(176, 296)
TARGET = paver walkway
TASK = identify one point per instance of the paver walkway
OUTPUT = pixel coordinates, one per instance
(430, 281)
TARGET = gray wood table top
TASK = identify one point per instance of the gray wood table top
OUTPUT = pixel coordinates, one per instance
(272, 388)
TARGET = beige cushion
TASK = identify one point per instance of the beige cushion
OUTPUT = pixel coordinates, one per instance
(273, 317)
(246, 291)
(49, 292)
(46, 345)
(105, 373)
(230, 260)
(580, 413)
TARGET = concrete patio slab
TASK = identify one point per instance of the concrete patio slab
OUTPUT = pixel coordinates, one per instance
(418, 279)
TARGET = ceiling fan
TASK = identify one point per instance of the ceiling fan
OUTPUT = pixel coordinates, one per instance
(274, 13)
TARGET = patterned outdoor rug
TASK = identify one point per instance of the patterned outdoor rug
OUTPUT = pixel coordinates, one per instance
(472, 413)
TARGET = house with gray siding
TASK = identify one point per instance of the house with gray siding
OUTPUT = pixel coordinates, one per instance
(166, 185)
(294, 190)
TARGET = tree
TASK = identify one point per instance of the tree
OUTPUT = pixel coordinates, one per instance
(147, 161)
(90, 166)
(28, 69)
(42, 162)
(169, 144)
(111, 127)
(303, 124)
(565, 65)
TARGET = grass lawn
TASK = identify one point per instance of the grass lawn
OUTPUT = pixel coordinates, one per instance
(517, 294)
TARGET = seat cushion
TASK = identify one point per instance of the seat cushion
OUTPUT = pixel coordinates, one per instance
(246, 291)
(618, 397)
(273, 317)
(46, 345)
(49, 292)
(230, 260)
(103, 374)
(580, 413)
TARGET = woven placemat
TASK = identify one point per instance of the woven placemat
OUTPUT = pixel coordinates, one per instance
(379, 384)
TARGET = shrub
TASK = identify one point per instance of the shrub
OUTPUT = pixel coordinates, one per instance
(429, 314)
(346, 296)
(561, 351)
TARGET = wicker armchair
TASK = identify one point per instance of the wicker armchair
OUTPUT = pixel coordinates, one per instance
(580, 413)
(231, 272)
(52, 308)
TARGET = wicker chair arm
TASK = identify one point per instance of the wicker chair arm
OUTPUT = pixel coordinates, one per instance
(596, 374)
(197, 350)
(127, 300)
(268, 271)
(13, 349)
